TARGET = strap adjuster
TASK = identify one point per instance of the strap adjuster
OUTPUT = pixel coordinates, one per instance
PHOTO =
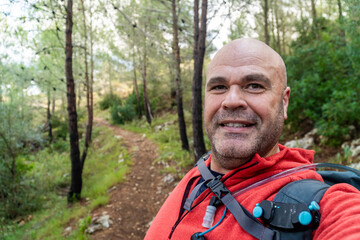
(217, 187)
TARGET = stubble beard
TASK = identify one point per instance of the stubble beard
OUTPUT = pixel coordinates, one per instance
(231, 156)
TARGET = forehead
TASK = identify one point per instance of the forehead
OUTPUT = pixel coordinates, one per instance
(243, 58)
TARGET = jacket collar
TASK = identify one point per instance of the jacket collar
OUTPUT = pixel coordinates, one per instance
(259, 167)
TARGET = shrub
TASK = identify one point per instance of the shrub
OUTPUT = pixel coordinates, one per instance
(19, 194)
(324, 82)
(122, 114)
(60, 127)
(109, 100)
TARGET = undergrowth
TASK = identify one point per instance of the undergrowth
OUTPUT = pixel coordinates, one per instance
(106, 164)
(164, 131)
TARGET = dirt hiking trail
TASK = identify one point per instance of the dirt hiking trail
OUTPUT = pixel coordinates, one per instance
(134, 202)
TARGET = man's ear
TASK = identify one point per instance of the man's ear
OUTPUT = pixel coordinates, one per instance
(286, 96)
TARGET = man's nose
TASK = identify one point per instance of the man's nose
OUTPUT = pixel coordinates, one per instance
(234, 99)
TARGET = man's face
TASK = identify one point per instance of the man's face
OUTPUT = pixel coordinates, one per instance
(245, 106)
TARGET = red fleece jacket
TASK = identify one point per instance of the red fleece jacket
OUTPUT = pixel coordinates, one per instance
(339, 208)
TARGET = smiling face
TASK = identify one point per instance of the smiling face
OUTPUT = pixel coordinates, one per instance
(246, 101)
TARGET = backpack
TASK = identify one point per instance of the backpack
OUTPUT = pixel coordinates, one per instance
(294, 212)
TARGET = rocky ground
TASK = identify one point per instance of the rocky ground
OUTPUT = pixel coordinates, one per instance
(134, 202)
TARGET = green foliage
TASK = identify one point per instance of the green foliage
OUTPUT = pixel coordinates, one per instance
(17, 137)
(19, 195)
(344, 158)
(131, 100)
(84, 223)
(165, 133)
(49, 170)
(121, 114)
(324, 82)
(109, 100)
(60, 127)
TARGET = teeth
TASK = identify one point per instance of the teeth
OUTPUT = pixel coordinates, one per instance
(236, 125)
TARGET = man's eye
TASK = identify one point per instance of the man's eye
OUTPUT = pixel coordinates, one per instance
(255, 86)
(218, 87)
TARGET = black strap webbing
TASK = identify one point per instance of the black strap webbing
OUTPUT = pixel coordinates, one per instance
(242, 216)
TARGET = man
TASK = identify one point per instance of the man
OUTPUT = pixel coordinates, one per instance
(246, 101)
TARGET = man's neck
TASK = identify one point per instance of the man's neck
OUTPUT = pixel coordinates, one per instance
(221, 168)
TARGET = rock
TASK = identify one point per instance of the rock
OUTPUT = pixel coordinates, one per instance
(355, 165)
(111, 189)
(168, 178)
(100, 223)
(105, 221)
(355, 151)
(354, 147)
(21, 223)
(118, 137)
(305, 143)
(312, 133)
(158, 128)
(93, 228)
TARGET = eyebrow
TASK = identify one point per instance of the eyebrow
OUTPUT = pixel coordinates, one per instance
(248, 78)
(215, 80)
(257, 77)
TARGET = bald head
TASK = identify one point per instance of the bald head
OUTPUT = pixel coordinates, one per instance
(246, 101)
(251, 52)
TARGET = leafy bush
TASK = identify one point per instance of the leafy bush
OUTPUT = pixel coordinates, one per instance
(122, 114)
(131, 100)
(109, 100)
(60, 127)
(18, 194)
(127, 112)
(324, 82)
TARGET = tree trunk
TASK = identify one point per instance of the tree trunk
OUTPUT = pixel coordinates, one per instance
(283, 43)
(313, 11)
(79, 95)
(135, 79)
(179, 101)
(340, 10)
(48, 115)
(88, 94)
(147, 106)
(314, 18)
(278, 40)
(199, 53)
(172, 90)
(76, 169)
(110, 86)
(53, 104)
(341, 20)
(266, 22)
(91, 118)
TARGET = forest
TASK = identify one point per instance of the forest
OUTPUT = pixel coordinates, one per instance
(75, 74)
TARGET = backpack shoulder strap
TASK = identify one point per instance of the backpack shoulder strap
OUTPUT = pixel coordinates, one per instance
(333, 177)
(302, 191)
